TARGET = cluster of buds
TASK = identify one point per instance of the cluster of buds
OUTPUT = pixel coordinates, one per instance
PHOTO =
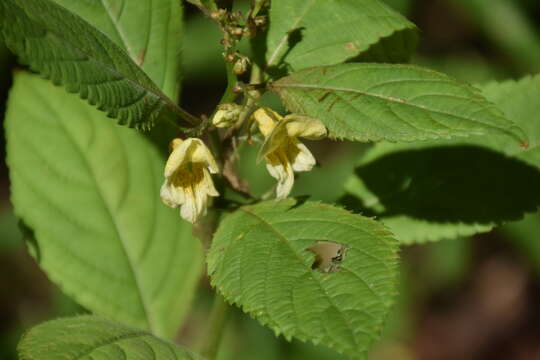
(241, 62)
(231, 25)
(188, 182)
(234, 27)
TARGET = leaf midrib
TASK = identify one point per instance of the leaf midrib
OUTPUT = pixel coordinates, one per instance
(107, 67)
(130, 261)
(310, 87)
(113, 340)
(287, 242)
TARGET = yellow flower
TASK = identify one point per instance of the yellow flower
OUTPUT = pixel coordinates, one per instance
(283, 152)
(188, 183)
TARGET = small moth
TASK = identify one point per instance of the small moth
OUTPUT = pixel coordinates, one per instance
(328, 256)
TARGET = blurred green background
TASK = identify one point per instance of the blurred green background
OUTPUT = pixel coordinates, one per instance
(475, 298)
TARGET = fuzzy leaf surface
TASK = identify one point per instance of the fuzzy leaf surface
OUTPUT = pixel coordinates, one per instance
(149, 31)
(69, 51)
(95, 338)
(305, 33)
(260, 261)
(439, 190)
(89, 190)
(374, 102)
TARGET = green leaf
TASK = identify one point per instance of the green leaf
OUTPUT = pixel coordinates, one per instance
(92, 337)
(150, 31)
(446, 189)
(90, 192)
(519, 101)
(261, 260)
(373, 102)
(305, 33)
(66, 49)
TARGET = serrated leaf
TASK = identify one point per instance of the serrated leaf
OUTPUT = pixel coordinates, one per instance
(89, 190)
(305, 33)
(66, 49)
(149, 31)
(374, 102)
(446, 189)
(261, 260)
(92, 337)
(519, 101)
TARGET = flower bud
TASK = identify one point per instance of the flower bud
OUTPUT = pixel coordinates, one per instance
(237, 31)
(241, 65)
(260, 21)
(305, 126)
(218, 15)
(227, 115)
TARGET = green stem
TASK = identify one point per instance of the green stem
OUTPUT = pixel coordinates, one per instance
(229, 95)
(186, 116)
(218, 322)
(256, 77)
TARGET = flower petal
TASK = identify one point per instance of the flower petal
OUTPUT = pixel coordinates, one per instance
(305, 126)
(267, 120)
(178, 156)
(189, 210)
(170, 195)
(201, 154)
(279, 167)
(303, 159)
(209, 184)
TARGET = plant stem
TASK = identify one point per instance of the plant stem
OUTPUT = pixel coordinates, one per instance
(218, 321)
(186, 116)
(255, 78)
(229, 95)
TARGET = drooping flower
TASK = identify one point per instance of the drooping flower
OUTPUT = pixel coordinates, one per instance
(188, 182)
(283, 152)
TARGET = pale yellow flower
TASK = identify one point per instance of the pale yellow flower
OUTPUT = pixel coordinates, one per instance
(283, 152)
(188, 182)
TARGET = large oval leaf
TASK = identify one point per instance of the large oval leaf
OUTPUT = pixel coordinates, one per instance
(373, 102)
(305, 33)
(447, 189)
(150, 31)
(63, 47)
(263, 256)
(95, 338)
(90, 191)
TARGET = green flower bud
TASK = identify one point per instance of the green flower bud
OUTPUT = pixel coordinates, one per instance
(227, 115)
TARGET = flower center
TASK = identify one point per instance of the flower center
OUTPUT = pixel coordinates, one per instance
(188, 175)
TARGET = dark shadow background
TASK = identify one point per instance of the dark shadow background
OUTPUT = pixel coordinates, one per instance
(462, 299)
